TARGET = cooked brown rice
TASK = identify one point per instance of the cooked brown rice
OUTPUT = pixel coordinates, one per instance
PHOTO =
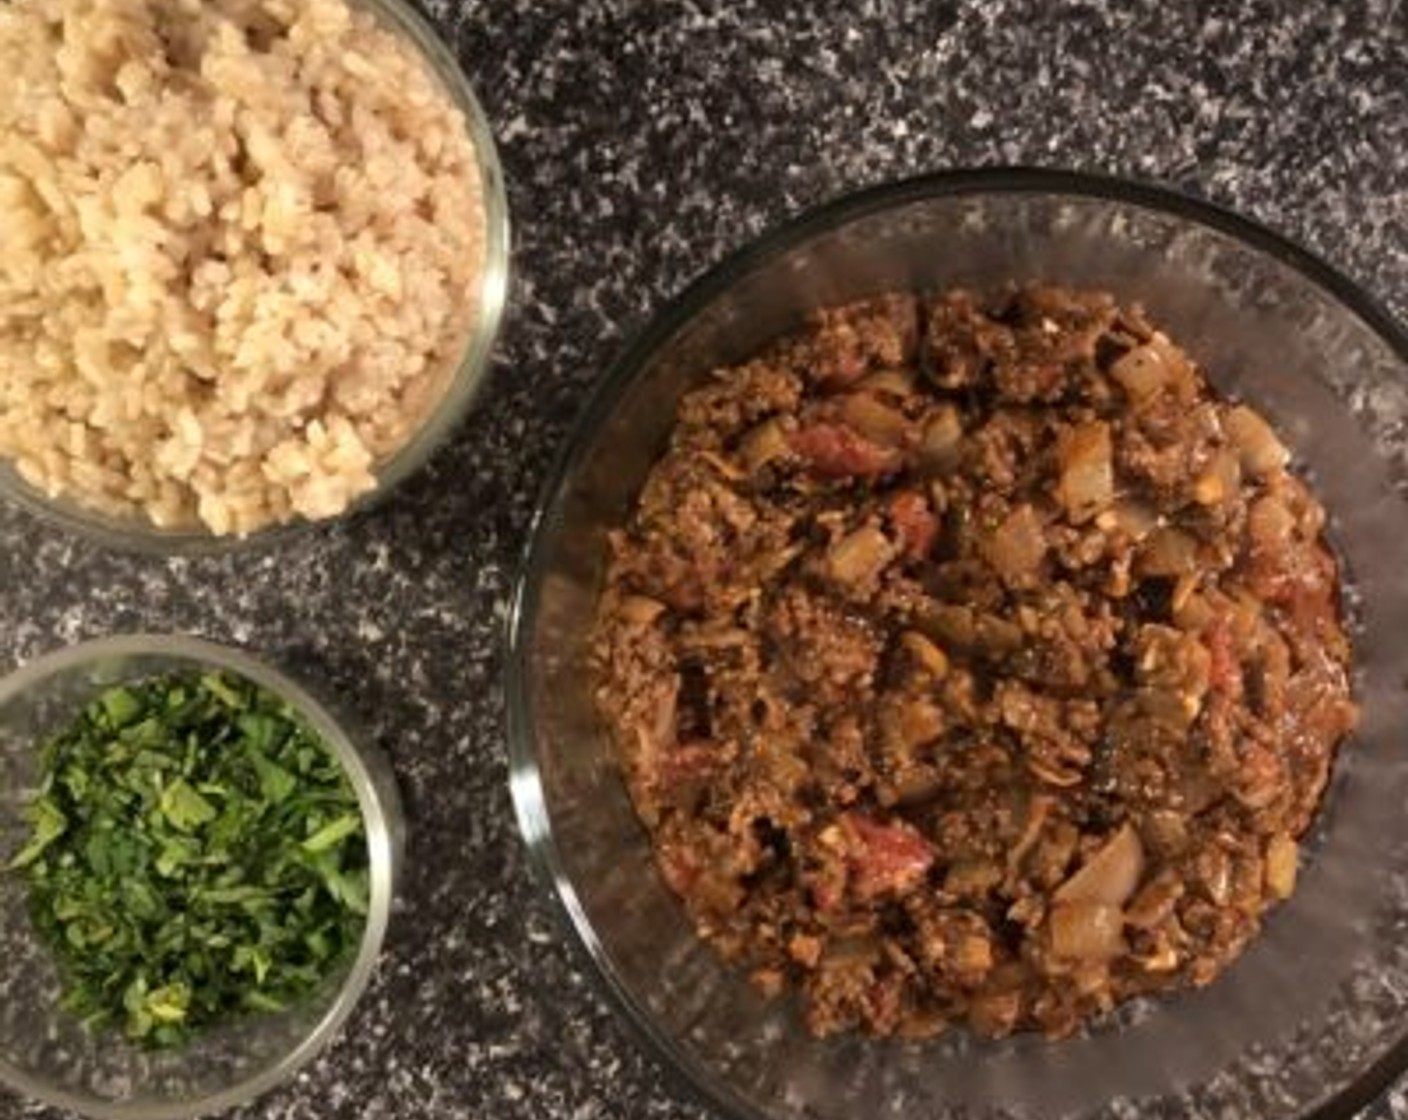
(239, 247)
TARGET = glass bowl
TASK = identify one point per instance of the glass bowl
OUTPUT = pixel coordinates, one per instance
(1313, 1019)
(46, 1054)
(467, 376)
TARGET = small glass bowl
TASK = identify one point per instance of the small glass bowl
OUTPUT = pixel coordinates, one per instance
(1313, 1019)
(133, 534)
(47, 1054)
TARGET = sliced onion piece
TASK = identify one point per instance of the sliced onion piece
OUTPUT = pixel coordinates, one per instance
(1262, 453)
(1087, 931)
(859, 556)
(1111, 874)
(1018, 546)
(942, 439)
(1168, 552)
(1281, 859)
(1087, 483)
(764, 444)
(876, 420)
(1143, 372)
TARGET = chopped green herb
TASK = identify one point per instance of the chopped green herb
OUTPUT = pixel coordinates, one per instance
(196, 853)
(330, 836)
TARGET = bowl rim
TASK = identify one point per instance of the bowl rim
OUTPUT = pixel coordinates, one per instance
(381, 814)
(468, 374)
(692, 1077)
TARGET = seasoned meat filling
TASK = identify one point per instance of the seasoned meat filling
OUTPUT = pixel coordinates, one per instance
(971, 661)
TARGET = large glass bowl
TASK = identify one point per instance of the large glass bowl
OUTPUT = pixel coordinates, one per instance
(1313, 1020)
(464, 379)
(45, 1053)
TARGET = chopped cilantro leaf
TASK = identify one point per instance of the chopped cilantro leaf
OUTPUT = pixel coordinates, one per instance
(195, 854)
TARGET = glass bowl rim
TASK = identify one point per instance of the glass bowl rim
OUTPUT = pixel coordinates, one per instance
(380, 811)
(468, 373)
(692, 1077)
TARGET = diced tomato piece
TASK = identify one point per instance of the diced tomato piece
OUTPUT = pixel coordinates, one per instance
(915, 523)
(844, 368)
(1224, 670)
(678, 869)
(882, 1002)
(690, 762)
(836, 451)
(1326, 713)
(884, 857)
(1289, 574)
(1261, 778)
(1303, 587)
(827, 886)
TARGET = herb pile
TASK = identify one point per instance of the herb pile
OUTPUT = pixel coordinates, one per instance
(196, 854)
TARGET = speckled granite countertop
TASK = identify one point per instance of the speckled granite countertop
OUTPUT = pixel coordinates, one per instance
(641, 142)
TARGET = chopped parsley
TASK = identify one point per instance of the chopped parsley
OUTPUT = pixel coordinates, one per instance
(196, 853)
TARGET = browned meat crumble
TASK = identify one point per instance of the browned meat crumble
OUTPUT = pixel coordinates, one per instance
(971, 661)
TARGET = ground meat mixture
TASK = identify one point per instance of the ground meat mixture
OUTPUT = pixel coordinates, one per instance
(970, 661)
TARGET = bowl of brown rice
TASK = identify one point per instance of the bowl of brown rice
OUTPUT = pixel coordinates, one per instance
(252, 266)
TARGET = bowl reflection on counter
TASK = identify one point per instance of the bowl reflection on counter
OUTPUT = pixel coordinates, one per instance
(1311, 1021)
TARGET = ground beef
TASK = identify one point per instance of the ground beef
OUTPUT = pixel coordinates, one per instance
(971, 661)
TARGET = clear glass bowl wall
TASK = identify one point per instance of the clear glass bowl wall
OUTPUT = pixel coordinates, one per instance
(1311, 1020)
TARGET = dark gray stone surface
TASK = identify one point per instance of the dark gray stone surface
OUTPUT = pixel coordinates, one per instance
(641, 142)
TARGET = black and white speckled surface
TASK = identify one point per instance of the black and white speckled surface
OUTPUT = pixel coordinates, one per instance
(641, 141)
